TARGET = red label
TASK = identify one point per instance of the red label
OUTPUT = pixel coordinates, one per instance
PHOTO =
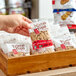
(53, 2)
(15, 51)
(41, 44)
(57, 12)
(36, 31)
(71, 26)
(63, 46)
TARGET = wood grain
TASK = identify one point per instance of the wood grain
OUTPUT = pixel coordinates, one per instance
(3, 62)
(36, 63)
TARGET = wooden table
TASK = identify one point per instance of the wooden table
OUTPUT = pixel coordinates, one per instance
(71, 71)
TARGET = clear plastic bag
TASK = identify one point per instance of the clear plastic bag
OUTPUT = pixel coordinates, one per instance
(41, 39)
(15, 45)
(63, 4)
(65, 17)
(62, 38)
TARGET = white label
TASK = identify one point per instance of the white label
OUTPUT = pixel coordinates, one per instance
(40, 26)
(18, 47)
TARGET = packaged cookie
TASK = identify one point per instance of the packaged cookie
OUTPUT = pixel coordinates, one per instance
(16, 49)
(67, 16)
(63, 4)
(64, 43)
(41, 40)
(15, 45)
(62, 38)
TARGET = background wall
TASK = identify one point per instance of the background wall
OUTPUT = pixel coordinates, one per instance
(45, 9)
(42, 9)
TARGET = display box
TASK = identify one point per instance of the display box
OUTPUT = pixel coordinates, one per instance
(37, 63)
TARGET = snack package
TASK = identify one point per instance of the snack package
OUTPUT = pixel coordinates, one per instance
(63, 4)
(62, 38)
(41, 40)
(67, 16)
(15, 45)
(16, 49)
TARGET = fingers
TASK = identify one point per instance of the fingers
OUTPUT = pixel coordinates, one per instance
(25, 30)
(23, 33)
(26, 25)
(27, 20)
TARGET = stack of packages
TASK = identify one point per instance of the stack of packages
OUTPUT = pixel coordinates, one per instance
(16, 7)
(64, 15)
(2, 7)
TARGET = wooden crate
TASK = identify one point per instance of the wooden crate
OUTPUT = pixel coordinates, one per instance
(36, 63)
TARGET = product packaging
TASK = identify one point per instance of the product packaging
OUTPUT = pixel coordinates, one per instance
(63, 4)
(62, 38)
(41, 40)
(65, 16)
(15, 45)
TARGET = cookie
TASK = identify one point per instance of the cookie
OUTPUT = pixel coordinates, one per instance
(66, 15)
(67, 48)
(64, 1)
(43, 35)
(20, 54)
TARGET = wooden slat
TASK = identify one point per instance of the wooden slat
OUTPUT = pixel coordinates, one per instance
(36, 63)
(3, 62)
(41, 62)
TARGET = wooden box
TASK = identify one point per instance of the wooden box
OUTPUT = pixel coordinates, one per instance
(36, 63)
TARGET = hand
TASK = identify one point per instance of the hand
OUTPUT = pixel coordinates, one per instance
(17, 24)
